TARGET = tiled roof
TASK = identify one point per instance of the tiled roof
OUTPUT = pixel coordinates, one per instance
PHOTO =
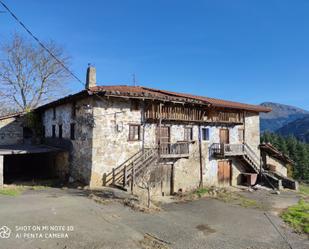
(156, 94)
(220, 103)
(163, 94)
(271, 150)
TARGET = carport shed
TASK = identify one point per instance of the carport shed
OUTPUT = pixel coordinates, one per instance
(32, 161)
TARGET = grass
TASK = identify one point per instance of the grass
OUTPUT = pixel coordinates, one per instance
(200, 192)
(15, 191)
(298, 216)
(304, 189)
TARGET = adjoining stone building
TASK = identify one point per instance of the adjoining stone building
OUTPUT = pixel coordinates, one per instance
(22, 157)
(277, 164)
(111, 132)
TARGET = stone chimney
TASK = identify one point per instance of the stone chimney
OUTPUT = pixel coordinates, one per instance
(91, 77)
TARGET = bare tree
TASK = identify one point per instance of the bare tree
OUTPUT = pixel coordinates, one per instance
(29, 76)
(149, 178)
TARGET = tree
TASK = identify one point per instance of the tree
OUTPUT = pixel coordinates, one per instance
(29, 75)
(149, 178)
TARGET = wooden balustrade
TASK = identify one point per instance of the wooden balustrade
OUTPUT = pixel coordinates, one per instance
(191, 114)
(180, 149)
(227, 149)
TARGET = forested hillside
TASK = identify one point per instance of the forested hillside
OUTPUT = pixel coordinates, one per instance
(298, 128)
(296, 150)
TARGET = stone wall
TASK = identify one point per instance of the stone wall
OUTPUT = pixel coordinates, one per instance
(280, 166)
(111, 145)
(252, 131)
(80, 149)
(211, 163)
(11, 130)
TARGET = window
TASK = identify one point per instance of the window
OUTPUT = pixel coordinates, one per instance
(72, 131)
(205, 134)
(54, 112)
(60, 131)
(241, 135)
(134, 132)
(54, 131)
(43, 131)
(73, 110)
(188, 134)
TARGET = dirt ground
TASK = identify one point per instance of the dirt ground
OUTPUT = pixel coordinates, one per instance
(68, 218)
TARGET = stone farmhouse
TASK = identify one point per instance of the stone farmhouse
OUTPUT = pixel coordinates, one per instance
(107, 135)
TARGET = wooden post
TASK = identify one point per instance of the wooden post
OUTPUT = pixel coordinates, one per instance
(104, 179)
(124, 176)
(201, 157)
(113, 175)
(172, 179)
(132, 177)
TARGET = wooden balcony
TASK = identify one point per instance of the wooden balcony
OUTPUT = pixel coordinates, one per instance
(227, 150)
(174, 150)
(191, 114)
(219, 116)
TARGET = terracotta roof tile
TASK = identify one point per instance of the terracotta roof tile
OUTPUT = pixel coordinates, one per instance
(220, 102)
(151, 93)
(123, 89)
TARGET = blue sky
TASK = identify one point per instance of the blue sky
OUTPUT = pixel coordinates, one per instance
(244, 50)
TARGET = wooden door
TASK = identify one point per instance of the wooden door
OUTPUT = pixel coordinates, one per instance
(224, 172)
(224, 136)
(163, 138)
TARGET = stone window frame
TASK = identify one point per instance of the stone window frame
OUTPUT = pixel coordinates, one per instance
(133, 133)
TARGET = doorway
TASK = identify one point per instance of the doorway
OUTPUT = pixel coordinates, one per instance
(224, 136)
(224, 173)
(163, 137)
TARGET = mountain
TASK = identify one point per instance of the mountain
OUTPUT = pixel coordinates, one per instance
(280, 116)
(299, 128)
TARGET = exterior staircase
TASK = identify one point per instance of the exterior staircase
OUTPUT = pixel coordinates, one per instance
(124, 175)
(242, 151)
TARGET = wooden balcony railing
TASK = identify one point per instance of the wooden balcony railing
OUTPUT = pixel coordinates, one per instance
(227, 149)
(225, 117)
(174, 150)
